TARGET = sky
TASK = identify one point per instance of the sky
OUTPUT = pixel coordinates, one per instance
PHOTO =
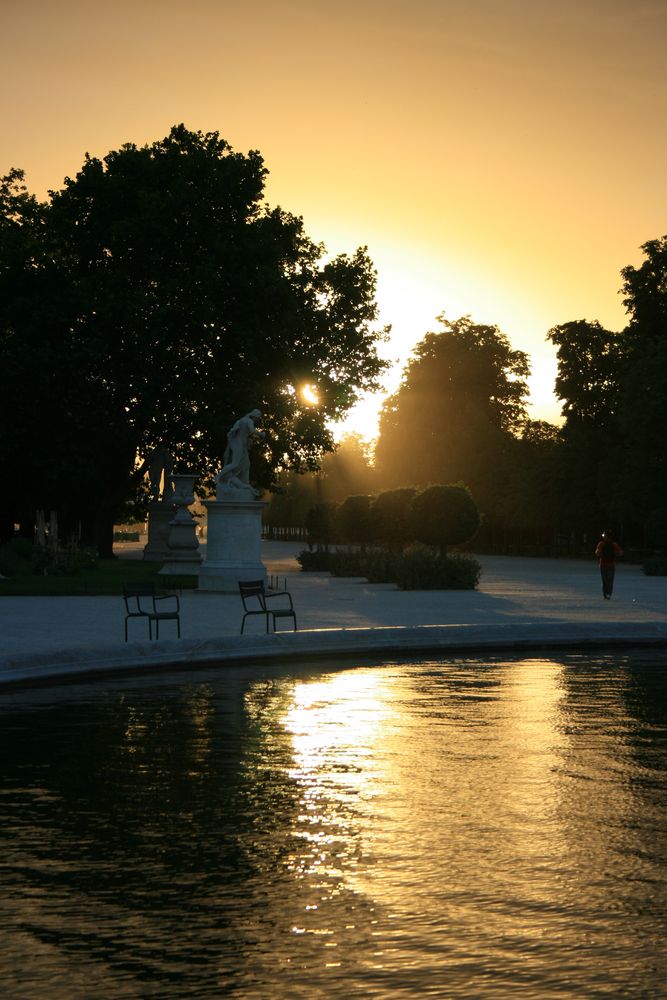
(499, 158)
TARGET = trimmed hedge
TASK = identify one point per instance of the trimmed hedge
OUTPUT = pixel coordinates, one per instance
(655, 566)
(314, 561)
(418, 568)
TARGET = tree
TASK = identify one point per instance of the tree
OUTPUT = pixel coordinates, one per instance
(344, 471)
(590, 359)
(391, 511)
(529, 508)
(443, 516)
(354, 520)
(25, 349)
(643, 384)
(172, 300)
(321, 525)
(347, 469)
(613, 458)
(645, 294)
(461, 400)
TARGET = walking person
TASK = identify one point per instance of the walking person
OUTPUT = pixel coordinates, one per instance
(607, 553)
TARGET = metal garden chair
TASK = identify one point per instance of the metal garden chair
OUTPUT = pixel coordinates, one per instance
(256, 601)
(141, 601)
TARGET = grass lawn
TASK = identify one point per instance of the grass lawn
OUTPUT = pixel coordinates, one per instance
(107, 577)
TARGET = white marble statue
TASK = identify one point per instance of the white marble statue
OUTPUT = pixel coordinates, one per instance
(235, 472)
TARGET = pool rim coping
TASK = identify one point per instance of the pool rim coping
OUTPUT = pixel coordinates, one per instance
(42, 668)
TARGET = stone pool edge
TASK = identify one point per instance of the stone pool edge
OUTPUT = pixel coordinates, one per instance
(45, 667)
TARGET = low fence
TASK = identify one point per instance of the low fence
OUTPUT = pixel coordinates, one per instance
(273, 534)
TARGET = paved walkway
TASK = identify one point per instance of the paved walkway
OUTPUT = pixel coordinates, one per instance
(520, 603)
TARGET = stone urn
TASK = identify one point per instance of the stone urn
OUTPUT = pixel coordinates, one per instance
(184, 556)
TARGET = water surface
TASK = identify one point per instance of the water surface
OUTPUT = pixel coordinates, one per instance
(457, 829)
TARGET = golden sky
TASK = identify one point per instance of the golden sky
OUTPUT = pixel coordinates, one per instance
(502, 158)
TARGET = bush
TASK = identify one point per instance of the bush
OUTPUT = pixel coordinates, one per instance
(392, 516)
(126, 536)
(425, 569)
(313, 561)
(419, 568)
(355, 522)
(69, 561)
(348, 562)
(321, 524)
(656, 527)
(15, 557)
(444, 515)
(655, 566)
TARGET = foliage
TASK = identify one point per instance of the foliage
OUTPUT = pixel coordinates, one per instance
(317, 561)
(589, 361)
(613, 459)
(444, 515)
(345, 471)
(424, 569)
(656, 527)
(321, 524)
(355, 522)
(15, 557)
(391, 512)
(645, 294)
(417, 568)
(655, 566)
(457, 410)
(154, 299)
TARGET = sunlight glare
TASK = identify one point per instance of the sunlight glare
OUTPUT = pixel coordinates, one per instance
(309, 394)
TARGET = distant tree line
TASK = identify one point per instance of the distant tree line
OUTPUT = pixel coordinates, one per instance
(156, 297)
(459, 415)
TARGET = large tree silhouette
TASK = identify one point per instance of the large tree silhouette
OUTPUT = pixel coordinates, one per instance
(153, 299)
(613, 459)
(455, 414)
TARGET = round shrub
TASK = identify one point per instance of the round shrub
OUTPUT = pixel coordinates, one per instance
(392, 516)
(355, 521)
(443, 516)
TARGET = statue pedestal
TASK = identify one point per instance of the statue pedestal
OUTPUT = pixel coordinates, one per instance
(160, 513)
(184, 558)
(234, 544)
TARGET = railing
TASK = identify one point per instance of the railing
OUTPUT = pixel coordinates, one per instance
(273, 534)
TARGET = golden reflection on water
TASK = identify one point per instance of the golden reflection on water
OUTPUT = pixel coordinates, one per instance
(395, 774)
(456, 830)
(333, 724)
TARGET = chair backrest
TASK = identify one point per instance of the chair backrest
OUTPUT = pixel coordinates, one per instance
(132, 594)
(252, 589)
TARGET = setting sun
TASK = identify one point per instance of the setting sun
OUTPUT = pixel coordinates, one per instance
(309, 395)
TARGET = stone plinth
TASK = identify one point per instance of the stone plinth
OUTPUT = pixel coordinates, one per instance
(160, 513)
(184, 558)
(233, 547)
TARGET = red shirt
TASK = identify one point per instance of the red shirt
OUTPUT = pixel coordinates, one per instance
(599, 550)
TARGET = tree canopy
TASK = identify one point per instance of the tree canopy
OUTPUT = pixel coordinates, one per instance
(154, 299)
(614, 392)
(461, 401)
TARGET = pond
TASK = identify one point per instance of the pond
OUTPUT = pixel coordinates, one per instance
(433, 829)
